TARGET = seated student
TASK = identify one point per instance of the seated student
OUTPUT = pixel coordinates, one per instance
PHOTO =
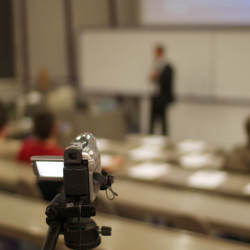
(239, 158)
(44, 142)
(8, 147)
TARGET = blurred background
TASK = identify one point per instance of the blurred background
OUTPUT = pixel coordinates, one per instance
(94, 65)
(73, 44)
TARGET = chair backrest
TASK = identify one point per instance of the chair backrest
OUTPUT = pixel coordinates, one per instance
(193, 224)
(27, 189)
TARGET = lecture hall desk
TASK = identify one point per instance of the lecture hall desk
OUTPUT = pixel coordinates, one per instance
(223, 214)
(24, 219)
(11, 173)
(177, 176)
(234, 184)
(226, 214)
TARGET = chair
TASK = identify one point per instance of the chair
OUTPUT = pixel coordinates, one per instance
(28, 189)
(193, 224)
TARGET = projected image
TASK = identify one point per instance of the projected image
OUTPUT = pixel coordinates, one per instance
(195, 12)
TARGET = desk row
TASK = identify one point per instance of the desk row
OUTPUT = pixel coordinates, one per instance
(24, 219)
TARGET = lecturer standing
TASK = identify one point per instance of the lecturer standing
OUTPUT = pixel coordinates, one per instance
(162, 76)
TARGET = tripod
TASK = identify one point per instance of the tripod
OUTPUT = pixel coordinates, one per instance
(71, 218)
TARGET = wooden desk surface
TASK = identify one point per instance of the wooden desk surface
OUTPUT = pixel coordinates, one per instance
(12, 172)
(233, 185)
(220, 211)
(233, 215)
(24, 219)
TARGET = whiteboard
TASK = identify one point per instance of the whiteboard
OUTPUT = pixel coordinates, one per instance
(212, 63)
(233, 64)
(121, 60)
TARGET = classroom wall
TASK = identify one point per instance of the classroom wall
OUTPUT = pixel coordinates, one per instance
(46, 36)
(218, 124)
(90, 13)
(10, 87)
(17, 39)
(7, 68)
(46, 41)
(127, 12)
(96, 13)
(46, 30)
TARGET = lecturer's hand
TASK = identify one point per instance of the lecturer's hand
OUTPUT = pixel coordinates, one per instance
(154, 76)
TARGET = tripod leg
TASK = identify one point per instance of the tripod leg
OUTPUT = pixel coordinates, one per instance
(51, 238)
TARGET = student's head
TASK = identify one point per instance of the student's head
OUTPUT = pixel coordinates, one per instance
(159, 52)
(247, 128)
(45, 125)
(3, 121)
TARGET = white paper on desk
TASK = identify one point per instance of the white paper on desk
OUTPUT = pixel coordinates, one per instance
(149, 171)
(207, 179)
(106, 160)
(196, 160)
(145, 153)
(155, 141)
(246, 189)
(102, 144)
(191, 146)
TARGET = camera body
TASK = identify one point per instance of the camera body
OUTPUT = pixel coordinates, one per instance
(81, 161)
(80, 169)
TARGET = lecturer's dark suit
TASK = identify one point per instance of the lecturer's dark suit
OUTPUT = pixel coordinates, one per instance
(162, 99)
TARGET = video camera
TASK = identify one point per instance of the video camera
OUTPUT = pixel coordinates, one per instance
(70, 213)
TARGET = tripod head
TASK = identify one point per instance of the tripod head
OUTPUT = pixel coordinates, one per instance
(74, 222)
(69, 213)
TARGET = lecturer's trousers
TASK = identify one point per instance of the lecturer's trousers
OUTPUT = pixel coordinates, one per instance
(158, 114)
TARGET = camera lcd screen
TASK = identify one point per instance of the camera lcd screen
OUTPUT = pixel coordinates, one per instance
(50, 169)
